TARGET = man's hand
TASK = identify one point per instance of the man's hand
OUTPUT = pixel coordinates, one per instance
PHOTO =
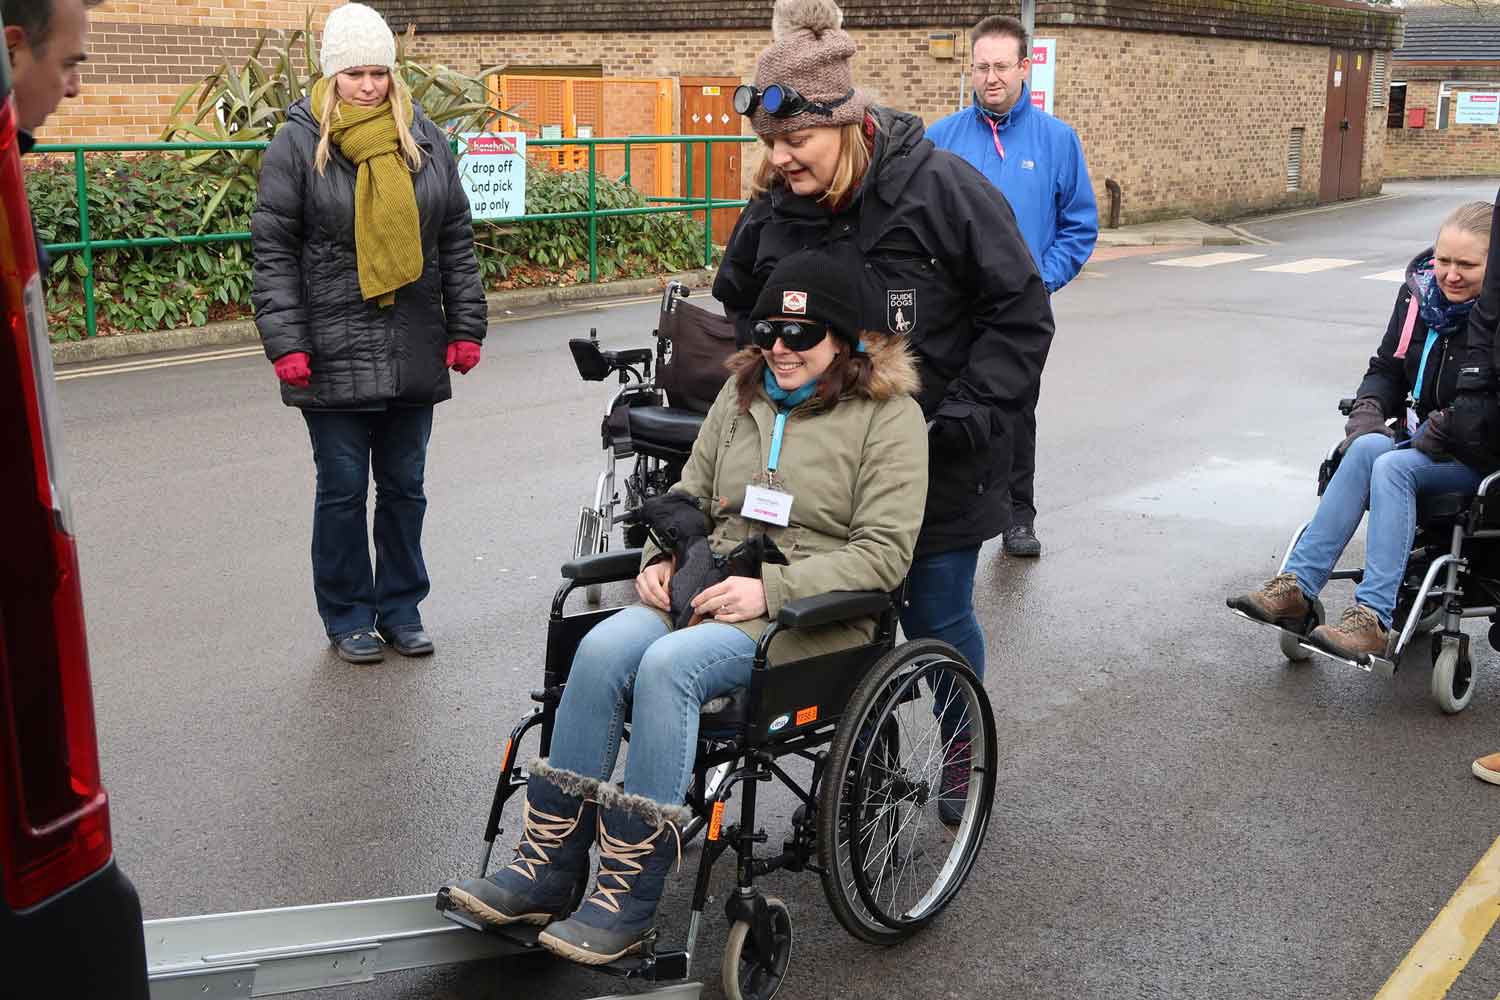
(737, 599)
(651, 585)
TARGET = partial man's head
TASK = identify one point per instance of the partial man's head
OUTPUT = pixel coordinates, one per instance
(47, 42)
(1002, 58)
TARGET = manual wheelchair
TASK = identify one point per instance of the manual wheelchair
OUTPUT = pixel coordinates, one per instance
(867, 719)
(1453, 573)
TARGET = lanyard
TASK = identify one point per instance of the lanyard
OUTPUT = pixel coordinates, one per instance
(995, 131)
(776, 433)
(1432, 338)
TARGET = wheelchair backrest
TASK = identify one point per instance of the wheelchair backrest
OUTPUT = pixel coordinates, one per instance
(692, 347)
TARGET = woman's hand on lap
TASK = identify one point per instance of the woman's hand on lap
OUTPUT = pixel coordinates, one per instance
(737, 599)
(651, 585)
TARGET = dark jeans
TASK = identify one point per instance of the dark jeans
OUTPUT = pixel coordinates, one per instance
(1023, 463)
(345, 446)
(940, 605)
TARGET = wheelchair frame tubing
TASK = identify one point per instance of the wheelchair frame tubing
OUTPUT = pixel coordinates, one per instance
(505, 786)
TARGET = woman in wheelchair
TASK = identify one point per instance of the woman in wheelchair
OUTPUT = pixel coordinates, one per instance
(815, 442)
(1381, 468)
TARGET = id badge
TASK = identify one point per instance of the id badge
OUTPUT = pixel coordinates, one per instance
(769, 506)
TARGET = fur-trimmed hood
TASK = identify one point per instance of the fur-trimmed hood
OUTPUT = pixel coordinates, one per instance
(893, 368)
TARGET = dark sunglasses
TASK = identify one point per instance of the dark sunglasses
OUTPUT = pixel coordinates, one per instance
(781, 100)
(797, 336)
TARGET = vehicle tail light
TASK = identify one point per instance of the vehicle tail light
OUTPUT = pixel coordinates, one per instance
(54, 816)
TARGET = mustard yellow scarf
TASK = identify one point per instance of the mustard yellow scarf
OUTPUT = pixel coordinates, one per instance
(387, 228)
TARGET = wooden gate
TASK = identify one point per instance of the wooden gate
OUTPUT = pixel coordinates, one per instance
(708, 109)
(1344, 124)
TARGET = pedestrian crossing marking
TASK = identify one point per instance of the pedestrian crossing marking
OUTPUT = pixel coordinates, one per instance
(1311, 265)
(1207, 259)
(1398, 275)
(1443, 950)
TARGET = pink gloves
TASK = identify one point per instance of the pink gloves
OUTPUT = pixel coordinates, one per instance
(463, 356)
(293, 369)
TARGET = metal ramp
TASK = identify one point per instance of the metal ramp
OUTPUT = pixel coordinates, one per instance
(262, 953)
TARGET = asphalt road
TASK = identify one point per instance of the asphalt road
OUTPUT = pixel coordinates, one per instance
(1180, 813)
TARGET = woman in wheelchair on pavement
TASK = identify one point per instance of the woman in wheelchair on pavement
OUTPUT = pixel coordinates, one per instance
(1424, 347)
(818, 426)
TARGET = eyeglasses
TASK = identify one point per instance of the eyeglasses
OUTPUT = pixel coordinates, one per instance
(982, 70)
(797, 336)
(781, 100)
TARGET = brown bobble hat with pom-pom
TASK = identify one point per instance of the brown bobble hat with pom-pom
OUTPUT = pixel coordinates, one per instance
(810, 52)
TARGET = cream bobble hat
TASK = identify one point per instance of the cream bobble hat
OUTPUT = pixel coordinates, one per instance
(356, 35)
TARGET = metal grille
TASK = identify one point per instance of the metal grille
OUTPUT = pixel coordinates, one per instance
(1294, 160)
(1380, 79)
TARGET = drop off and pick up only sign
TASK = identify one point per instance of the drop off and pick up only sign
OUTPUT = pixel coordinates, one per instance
(492, 167)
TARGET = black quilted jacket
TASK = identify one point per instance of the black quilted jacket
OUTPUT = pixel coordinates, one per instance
(306, 292)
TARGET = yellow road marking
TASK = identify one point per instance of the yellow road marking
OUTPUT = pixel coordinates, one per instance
(1443, 950)
(127, 367)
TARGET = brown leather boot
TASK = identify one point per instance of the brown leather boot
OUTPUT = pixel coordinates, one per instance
(1358, 632)
(1278, 602)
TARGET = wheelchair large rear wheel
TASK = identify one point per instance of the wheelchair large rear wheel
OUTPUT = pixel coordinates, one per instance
(891, 861)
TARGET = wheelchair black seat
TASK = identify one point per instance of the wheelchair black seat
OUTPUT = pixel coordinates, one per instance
(665, 426)
(1443, 509)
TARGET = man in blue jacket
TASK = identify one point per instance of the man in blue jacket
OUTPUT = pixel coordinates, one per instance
(1037, 163)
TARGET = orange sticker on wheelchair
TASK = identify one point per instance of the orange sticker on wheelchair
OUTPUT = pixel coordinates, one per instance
(806, 715)
(716, 821)
(505, 756)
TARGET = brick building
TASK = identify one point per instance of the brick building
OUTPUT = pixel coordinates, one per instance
(1445, 75)
(1211, 108)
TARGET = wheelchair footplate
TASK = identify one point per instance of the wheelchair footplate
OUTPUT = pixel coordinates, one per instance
(654, 966)
(1369, 663)
(1377, 665)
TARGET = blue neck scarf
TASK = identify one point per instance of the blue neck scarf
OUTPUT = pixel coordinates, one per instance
(1437, 313)
(787, 400)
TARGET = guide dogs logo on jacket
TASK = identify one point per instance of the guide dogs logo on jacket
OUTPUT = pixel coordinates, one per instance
(901, 310)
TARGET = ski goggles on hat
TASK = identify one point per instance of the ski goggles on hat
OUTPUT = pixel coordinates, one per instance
(795, 334)
(781, 100)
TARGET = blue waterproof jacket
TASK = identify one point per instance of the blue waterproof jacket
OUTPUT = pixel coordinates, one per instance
(1042, 175)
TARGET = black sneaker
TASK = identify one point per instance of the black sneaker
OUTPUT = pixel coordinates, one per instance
(1021, 541)
(359, 647)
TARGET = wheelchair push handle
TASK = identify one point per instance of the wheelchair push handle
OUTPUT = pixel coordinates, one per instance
(1346, 406)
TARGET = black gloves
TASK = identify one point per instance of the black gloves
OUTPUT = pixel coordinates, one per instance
(949, 437)
(1433, 438)
(1365, 418)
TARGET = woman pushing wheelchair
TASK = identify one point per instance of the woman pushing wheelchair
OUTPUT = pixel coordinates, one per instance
(1385, 468)
(815, 447)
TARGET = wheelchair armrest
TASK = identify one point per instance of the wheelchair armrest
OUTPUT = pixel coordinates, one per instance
(825, 609)
(606, 567)
(1484, 487)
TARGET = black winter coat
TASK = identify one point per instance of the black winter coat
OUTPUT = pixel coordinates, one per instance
(945, 266)
(306, 292)
(1474, 424)
(1389, 378)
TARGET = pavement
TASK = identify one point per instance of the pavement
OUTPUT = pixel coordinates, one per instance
(1180, 812)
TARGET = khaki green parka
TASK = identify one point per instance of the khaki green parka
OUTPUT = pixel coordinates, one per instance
(857, 474)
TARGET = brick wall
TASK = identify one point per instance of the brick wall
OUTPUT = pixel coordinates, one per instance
(143, 54)
(1455, 151)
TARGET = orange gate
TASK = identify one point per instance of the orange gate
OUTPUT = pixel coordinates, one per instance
(595, 107)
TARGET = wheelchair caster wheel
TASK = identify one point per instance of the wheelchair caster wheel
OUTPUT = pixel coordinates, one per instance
(1291, 645)
(1452, 677)
(749, 975)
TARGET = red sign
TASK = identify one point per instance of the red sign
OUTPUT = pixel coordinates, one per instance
(1039, 99)
(492, 145)
(1038, 55)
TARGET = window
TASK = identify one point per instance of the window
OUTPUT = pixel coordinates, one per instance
(1395, 116)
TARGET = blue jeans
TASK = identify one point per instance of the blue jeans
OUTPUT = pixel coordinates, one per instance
(632, 658)
(940, 605)
(1386, 478)
(345, 446)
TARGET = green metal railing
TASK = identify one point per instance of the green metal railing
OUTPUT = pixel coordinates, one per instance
(688, 203)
